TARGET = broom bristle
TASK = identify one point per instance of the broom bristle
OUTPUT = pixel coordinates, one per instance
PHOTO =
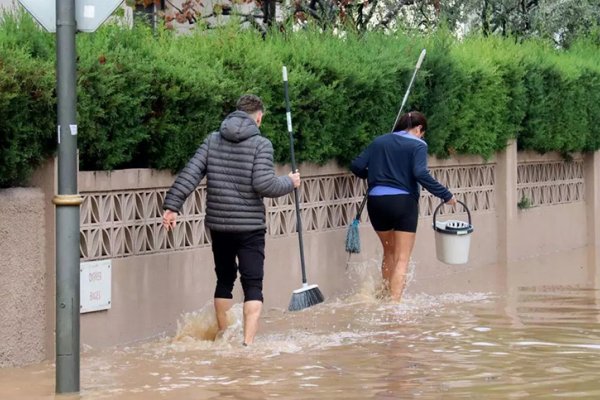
(353, 238)
(305, 297)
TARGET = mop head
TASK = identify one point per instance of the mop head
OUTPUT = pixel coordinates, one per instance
(353, 238)
(305, 297)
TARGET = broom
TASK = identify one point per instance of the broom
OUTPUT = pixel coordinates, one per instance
(307, 295)
(352, 235)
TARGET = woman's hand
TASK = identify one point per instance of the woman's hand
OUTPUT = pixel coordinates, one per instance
(452, 201)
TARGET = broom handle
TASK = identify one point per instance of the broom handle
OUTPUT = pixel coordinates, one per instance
(412, 79)
(293, 159)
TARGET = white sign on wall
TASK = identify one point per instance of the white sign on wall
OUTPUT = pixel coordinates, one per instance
(95, 285)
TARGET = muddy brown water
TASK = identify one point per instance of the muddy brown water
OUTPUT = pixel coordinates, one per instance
(535, 337)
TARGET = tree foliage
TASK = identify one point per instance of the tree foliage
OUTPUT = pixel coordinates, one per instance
(560, 21)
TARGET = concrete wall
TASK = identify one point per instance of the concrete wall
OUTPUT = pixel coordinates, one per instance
(150, 292)
(22, 277)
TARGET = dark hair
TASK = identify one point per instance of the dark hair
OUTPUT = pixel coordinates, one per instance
(250, 104)
(410, 120)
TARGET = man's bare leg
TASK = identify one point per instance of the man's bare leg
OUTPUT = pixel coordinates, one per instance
(252, 311)
(221, 308)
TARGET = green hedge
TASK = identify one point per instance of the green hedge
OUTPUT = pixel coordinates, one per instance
(148, 100)
(27, 104)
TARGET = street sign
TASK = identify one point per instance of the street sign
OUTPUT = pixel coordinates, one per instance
(89, 14)
(95, 285)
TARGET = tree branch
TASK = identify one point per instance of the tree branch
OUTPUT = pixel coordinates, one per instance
(393, 12)
(371, 11)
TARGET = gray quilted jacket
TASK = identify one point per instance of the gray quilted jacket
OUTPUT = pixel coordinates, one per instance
(238, 164)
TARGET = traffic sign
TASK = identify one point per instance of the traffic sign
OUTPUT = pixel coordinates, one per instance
(89, 14)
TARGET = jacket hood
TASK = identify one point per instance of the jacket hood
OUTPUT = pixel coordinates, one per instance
(238, 126)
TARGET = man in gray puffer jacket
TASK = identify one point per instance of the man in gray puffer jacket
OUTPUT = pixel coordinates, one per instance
(238, 164)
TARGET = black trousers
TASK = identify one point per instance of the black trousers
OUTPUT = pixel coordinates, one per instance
(243, 251)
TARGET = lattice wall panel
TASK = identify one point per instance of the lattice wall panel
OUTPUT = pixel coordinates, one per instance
(121, 224)
(473, 185)
(547, 183)
(327, 202)
(126, 223)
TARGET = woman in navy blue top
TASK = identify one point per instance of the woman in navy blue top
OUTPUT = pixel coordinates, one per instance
(395, 165)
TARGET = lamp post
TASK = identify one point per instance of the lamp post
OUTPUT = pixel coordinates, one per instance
(67, 203)
(66, 18)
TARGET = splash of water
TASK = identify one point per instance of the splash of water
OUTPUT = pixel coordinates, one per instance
(202, 324)
(368, 282)
(366, 308)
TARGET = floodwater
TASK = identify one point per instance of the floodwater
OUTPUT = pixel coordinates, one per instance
(539, 338)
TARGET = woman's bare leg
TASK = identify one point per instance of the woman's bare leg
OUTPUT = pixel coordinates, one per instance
(403, 246)
(388, 263)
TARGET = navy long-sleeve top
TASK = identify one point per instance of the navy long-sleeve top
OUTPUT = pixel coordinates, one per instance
(398, 160)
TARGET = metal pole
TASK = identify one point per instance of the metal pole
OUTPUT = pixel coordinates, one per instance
(67, 203)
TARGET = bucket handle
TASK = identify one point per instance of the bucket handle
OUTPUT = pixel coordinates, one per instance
(458, 201)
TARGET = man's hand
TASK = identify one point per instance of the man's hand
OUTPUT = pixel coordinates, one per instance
(169, 219)
(295, 177)
(452, 201)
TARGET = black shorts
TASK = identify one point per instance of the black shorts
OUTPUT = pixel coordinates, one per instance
(399, 212)
(242, 252)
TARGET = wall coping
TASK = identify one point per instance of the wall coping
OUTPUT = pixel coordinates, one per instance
(533, 157)
(144, 178)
